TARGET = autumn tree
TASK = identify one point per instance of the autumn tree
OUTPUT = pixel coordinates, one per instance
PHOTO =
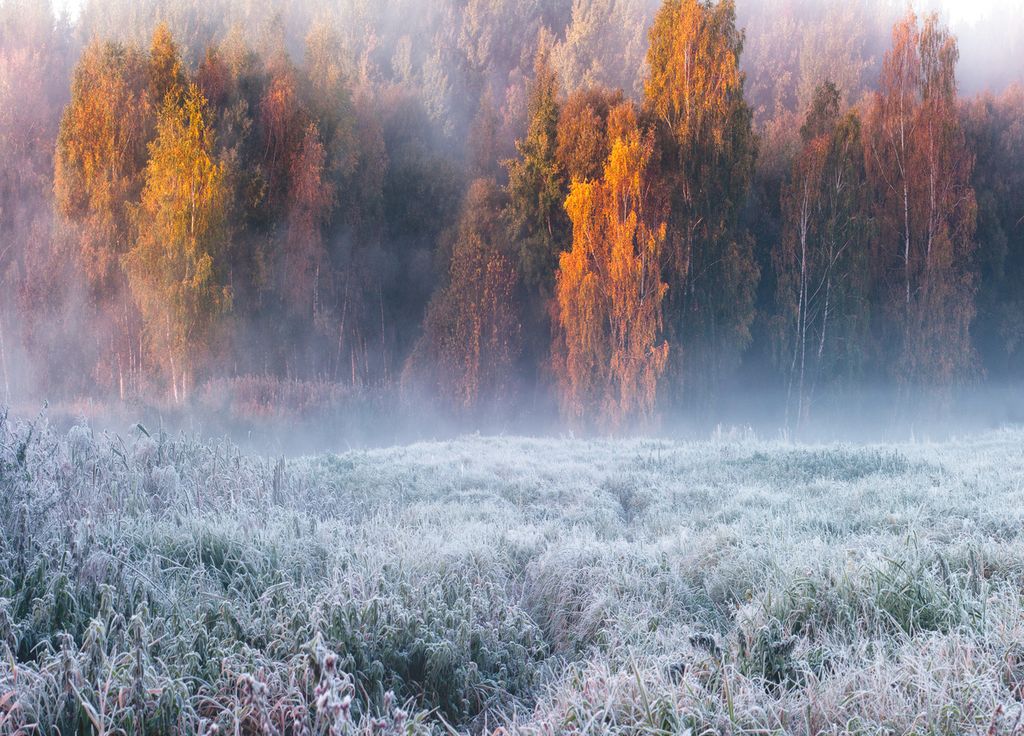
(99, 163)
(166, 73)
(282, 123)
(311, 197)
(492, 35)
(611, 351)
(694, 90)
(471, 335)
(34, 63)
(330, 98)
(231, 78)
(821, 260)
(925, 207)
(536, 192)
(583, 144)
(174, 268)
(483, 142)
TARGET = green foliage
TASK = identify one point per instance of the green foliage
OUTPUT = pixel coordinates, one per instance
(536, 185)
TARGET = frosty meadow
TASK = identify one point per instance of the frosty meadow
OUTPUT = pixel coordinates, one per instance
(156, 584)
(382, 346)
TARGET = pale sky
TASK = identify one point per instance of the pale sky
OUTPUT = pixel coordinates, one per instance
(968, 11)
(959, 11)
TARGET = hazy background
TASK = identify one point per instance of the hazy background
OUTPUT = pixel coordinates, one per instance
(415, 104)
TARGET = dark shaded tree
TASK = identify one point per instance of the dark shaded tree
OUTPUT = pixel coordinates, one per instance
(471, 335)
(994, 127)
(822, 295)
(694, 91)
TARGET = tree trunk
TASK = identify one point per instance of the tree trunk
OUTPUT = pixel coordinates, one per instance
(174, 379)
(906, 242)
(173, 362)
(3, 366)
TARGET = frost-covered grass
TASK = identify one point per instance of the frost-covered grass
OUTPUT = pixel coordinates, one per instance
(165, 585)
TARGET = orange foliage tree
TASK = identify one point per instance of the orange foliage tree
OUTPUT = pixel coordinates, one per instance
(174, 268)
(609, 290)
(282, 121)
(582, 144)
(100, 158)
(166, 74)
(921, 171)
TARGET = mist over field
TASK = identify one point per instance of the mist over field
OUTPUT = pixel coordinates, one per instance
(511, 367)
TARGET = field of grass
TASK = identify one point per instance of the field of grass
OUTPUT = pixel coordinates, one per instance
(153, 584)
